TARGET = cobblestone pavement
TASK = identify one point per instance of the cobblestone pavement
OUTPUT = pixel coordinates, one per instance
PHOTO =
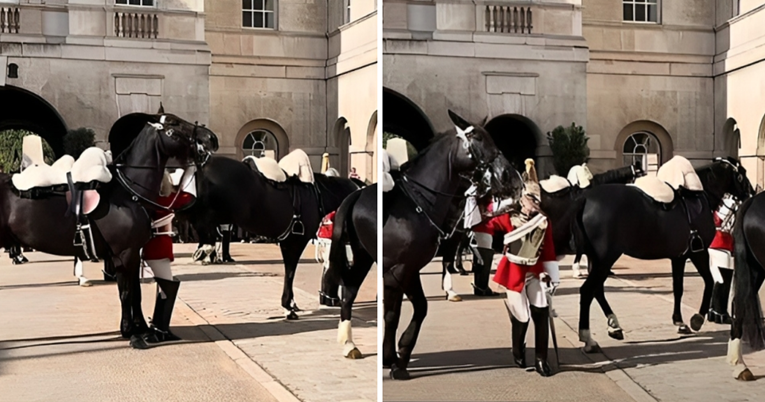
(463, 352)
(59, 341)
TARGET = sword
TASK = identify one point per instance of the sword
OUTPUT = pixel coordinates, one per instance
(552, 329)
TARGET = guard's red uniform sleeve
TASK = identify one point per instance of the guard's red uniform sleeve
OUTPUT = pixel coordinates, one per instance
(327, 225)
(160, 247)
(722, 241)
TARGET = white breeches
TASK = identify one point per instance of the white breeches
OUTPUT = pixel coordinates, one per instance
(78, 268)
(161, 268)
(533, 294)
(719, 259)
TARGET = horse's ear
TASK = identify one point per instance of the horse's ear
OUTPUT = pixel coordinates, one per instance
(161, 108)
(459, 121)
(484, 121)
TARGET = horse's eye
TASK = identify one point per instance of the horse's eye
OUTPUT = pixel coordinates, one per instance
(740, 178)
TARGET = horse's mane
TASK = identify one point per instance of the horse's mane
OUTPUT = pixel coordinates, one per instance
(125, 130)
(622, 175)
(436, 139)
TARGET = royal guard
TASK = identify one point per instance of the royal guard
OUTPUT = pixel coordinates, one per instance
(721, 261)
(158, 254)
(528, 270)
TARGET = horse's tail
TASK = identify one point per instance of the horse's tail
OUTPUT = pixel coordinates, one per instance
(342, 231)
(746, 305)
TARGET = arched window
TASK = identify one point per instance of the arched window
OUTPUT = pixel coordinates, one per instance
(260, 143)
(644, 149)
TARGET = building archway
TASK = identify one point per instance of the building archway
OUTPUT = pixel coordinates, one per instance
(516, 136)
(257, 133)
(343, 140)
(26, 110)
(642, 132)
(731, 138)
(406, 120)
(370, 148)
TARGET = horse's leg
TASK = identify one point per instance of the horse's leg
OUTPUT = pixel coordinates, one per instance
(393, 297)
(123, 286)
(292, 248)
(587, 292)
(408, 340)
(678, 268)
(464, 244)
(351, 283)
(132, 269)
(701, 262)
(576, 271)
(614, 329)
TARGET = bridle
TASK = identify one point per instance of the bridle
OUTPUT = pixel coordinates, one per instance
(195, 147)
(481, 167)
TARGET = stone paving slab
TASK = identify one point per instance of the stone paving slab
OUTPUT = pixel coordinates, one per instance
(464, 348)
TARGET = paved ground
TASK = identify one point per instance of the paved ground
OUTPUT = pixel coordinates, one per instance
(464, 349)
(59, 341)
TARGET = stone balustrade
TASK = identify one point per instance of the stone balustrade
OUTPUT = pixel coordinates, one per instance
(508, 19)
(10, 21)
(136, 25)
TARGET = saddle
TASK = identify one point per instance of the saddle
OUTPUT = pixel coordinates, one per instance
(76, 179)
(554, 184)
(580, 175)
(267, 167)
(297, 163)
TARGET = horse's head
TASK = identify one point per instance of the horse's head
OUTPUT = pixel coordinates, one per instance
(477, 154)
(184, 140)
(730, 178)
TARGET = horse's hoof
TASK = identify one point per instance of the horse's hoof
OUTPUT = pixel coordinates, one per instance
(745, 375)
(618, 334)
(138, 342)
(462, 271)
(684, 330)
(354, 354)
(292, 316)
(592, 348)
(697, 321)
(455, 298)
(399, 373)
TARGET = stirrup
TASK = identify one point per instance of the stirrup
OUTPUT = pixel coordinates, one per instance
(297, 226)
(696, 244)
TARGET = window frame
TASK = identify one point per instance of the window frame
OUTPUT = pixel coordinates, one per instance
(645, 145)
(250, 152)
(153, 5)
(645, 3)
(263, 11)
(346, 12)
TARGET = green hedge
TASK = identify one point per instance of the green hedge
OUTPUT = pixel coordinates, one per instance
(569, 147)
(76, 141)
(11, 142)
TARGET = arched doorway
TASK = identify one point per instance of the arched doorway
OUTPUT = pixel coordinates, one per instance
(25, 110)
(516, 136)
(405, 119)
(761, 154)
(262, 137)
(370, 148)
(731, 138)
(343, 141)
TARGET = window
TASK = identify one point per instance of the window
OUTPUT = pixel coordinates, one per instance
(643, 149)
(136, 2)
(641, 10)
(346, 11)
(259, 14)
(260, 143)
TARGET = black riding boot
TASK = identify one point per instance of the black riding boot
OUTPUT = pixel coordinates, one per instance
(541, 317)
(163, 311)
(481, 273)
(226, 245)
(718, 312)
(519, 341)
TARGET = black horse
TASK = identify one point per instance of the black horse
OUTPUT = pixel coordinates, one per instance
(422, 208)
(230, 192)
(749, 273)
(121, 222)
(355, 224)
(612, 220)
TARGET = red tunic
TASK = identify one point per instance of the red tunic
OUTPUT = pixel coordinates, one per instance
(160, 247)
(327, 225)
(722, 241)
(509, 274)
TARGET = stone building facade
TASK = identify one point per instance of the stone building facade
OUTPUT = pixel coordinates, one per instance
(268, 76)
(648, 79)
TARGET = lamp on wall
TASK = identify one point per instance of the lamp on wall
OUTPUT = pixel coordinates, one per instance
(13, 70)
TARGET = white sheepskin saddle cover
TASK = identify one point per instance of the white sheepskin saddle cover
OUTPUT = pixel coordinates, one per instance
(655, 188)
(580, 175)
(332, 172)
(387, 179)
(297, 163)
(679, 172)
(269, 168)
(91, 166)
(396, 148)
(554, 184)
